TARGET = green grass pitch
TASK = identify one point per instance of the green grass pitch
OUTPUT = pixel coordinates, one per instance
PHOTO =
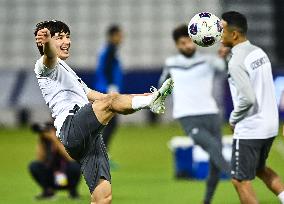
(144, 175)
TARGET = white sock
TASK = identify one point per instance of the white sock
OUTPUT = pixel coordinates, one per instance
(281, 197)
(140, 102)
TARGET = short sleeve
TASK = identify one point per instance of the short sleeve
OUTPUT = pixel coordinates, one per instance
(43, 71)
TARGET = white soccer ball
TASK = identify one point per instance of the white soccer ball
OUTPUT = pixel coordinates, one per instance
(205, 29)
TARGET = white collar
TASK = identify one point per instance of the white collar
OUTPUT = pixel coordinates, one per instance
(239, 46)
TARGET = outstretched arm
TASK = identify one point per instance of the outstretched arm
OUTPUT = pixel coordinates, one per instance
(43, 38)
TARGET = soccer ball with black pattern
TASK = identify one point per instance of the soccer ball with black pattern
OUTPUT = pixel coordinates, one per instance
(205, 29)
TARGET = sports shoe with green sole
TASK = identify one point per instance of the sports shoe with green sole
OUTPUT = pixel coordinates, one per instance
(158, 103)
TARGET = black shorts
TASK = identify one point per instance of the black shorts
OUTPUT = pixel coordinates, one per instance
(249, 156)
(81, 135)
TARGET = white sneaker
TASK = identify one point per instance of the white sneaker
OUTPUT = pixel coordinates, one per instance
(158, 102)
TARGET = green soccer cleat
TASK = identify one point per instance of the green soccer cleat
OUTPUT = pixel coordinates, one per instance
(158, 103)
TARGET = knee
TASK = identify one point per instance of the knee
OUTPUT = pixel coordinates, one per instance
(102, 193)
(112, 97)
(106, 102)
(106, 199)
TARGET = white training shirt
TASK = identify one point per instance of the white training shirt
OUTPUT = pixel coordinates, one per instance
(255, 113)
(61, 88)
(193, 83)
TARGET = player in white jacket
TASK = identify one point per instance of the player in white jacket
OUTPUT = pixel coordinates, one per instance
(255, 115)
(194, 105)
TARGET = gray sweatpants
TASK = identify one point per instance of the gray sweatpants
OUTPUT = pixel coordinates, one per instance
(205, 130)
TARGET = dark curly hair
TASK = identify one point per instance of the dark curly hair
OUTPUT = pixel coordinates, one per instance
(180, 31)
(54, 26)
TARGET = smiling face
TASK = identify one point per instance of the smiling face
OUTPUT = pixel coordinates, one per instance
(62, 44)
(60, 34)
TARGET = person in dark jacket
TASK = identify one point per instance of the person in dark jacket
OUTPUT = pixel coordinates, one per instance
(108, 76)
(53, 168)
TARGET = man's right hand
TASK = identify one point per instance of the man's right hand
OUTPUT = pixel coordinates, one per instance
(43, 36)
(223, 51)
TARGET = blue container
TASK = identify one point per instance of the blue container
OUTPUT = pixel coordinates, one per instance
(191, 161)
(200, 169)
(183, 162)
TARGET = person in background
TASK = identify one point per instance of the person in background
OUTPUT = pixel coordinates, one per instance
(108, 75)
(254, 119)
(193, 103)
(53, 168)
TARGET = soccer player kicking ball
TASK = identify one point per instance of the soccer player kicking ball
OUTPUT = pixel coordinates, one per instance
(255, 115)
(81, 113)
